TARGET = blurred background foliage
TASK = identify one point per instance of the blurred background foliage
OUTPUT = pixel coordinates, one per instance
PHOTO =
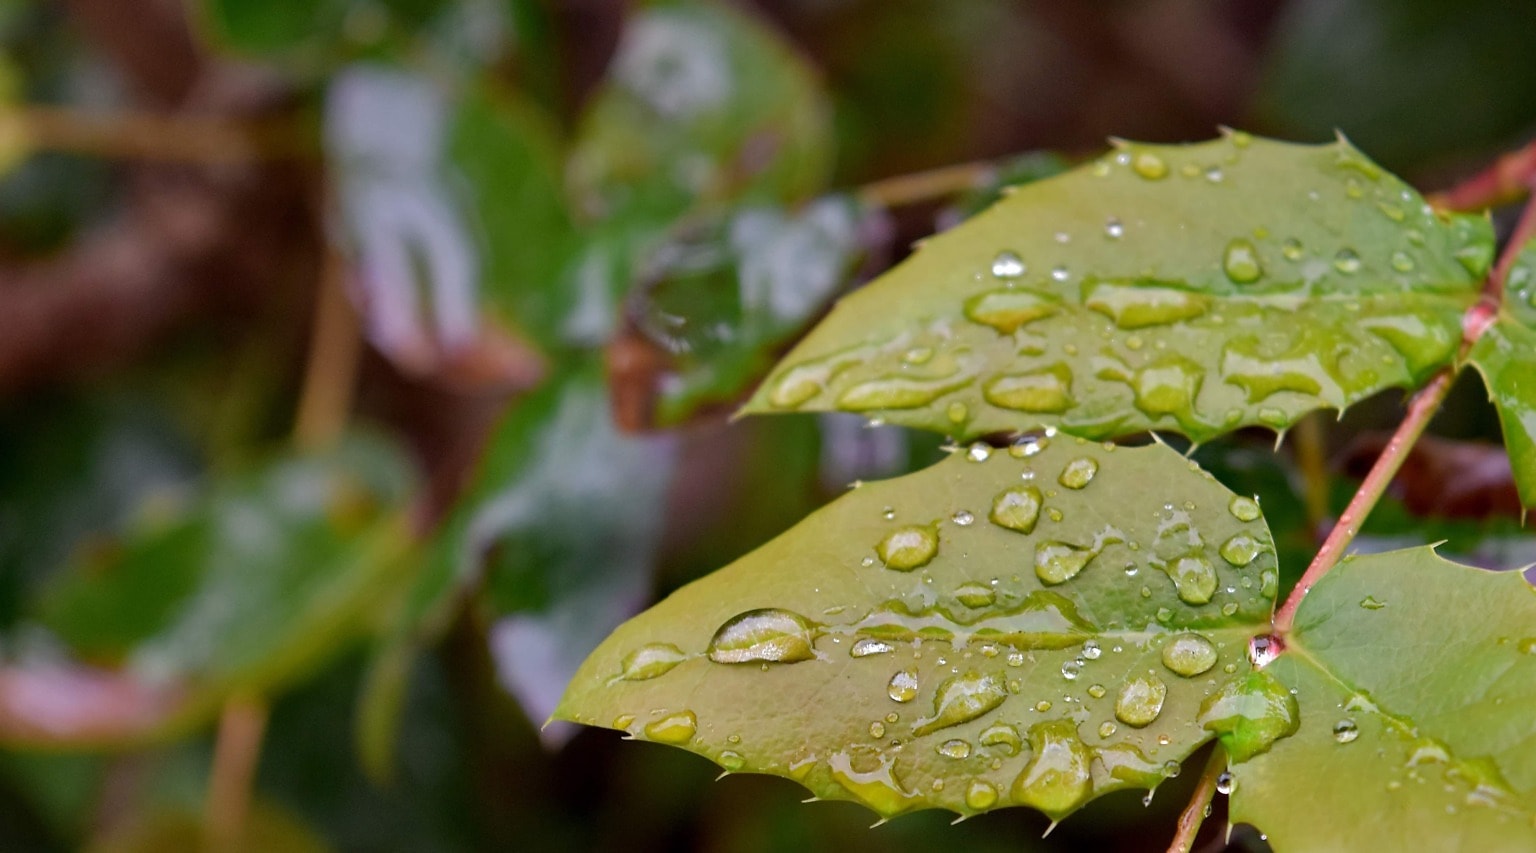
(363, 362)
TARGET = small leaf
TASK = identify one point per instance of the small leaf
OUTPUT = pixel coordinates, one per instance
(1415, 678)
(1506, 357)
(984, 662)
(1190, 288)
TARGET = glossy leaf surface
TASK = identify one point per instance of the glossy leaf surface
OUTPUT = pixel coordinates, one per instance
(1416, 677)
(1029, 626)
(1506, 357)
(1190, 288)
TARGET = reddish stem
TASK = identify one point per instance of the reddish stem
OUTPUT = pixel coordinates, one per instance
(1199, 801)
(1506, 181)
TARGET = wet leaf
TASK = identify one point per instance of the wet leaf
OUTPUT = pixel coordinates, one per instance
(1415, 677)
(703, 105)
(1506, 357)
(247, 590)
(1190, 288)
(983, 633)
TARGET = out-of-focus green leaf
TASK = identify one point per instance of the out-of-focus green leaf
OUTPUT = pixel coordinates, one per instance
(1406, 79)
(703, 105)
(1034, 626)
(1415, 677)
(1190, 288)
(245, 592)
(722, 297)
(266, 828)
(313, 35)
(1506, 357)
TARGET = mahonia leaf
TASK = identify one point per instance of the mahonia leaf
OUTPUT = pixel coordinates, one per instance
(1195, 288)
(1416, 677)
(1033, 626)
(1505, 355)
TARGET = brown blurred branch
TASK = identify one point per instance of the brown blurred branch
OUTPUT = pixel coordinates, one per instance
(162, 138)
(932, 185)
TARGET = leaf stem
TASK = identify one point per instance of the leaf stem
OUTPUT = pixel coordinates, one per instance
(1199, 802)
(1420, 410)
(1311, 456)
(933, 184)
(133, 136)
(235, 756)
(1509, 179)
(334, 351)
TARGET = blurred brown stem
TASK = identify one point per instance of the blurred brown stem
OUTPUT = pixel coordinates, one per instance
(1312, 459)
(933, 184)
(235, 755)
(334, 350)
(136, 136)
(1195, 813)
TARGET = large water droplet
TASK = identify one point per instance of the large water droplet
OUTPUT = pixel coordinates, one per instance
(1017, 509)
(1140, 700)
(1250, 713)
(732, 760)
(1345, 731)
(869, 646)
(1241, 262)
(1059, 562)
(1079, 472)
(768, 635)
(877, 787)
(1240, 550)
(676, 728)
(1008, 265)
(902, 686)
(956, 749)
(907, 548)
(1149, 166)
(1092, 650)
(1244, 509)
(651, 660)
(1057, 779)
(975, 595)
(1048, 390)
(980, 795)
(897, 392)
(1002, 737)
(1125, 763)
(1007, 310)
(1189, 655)
(1193, 577)
(963, 698)
(1139, 306)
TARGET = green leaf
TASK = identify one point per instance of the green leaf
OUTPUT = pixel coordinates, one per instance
(1416, 677)
(722, 297)
(1506, 357)
(1190, 288)
(982, 633)
(246, 592)
(703, 105)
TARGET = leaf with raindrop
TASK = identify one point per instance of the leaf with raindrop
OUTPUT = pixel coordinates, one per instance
(1034, 625)
(1416, 678)
(1196, 288)
(1506, 357)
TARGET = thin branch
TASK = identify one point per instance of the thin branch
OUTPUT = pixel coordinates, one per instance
(1525, 230)
(235, 755)
(1423, 407)
(1508, 180)
(1311, 457)
(1199, 802)
(331, 372)
(160, 138)
(933, 184)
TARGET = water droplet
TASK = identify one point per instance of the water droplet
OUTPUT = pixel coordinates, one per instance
(980, 795)
(766, 635)
(908, 548)
(1402, 262)
(956, 749)
(1140, 700)
(1059, 562)
(1007, 310)
(877, 729)
(1150, 166)
(1269, 583)
(1189, 655)
(1107, 729)
(878, 787)
(978, 452)
(1225, 784)
(1240, 550)
(897, 392)
(676, 728)
(1291, 249)
(732, 760)
(1114, 229)
(1043, 705)
(1060, 273)
(1241, 262)
(975, 595)
(1262, 651)
(1092, 650)
(1057, 779)
(1071, 669)
(868, 647)
(1244, 509)
(1008, 265)
(962, 518)
(1097, 691)
(1017, 509)
(1079, 472)
(1015, 658)
(918, 355)
(1250, 713)
(651, 660)
(1139, 306)
(903, 686)
(962, 698)
(1054, 514)
(1003, 737)
(1346, 261)
(1370, 603)
(1048, 390)
(1428, 751)
(1345, 731)
(1193, 577)
(623, 721)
